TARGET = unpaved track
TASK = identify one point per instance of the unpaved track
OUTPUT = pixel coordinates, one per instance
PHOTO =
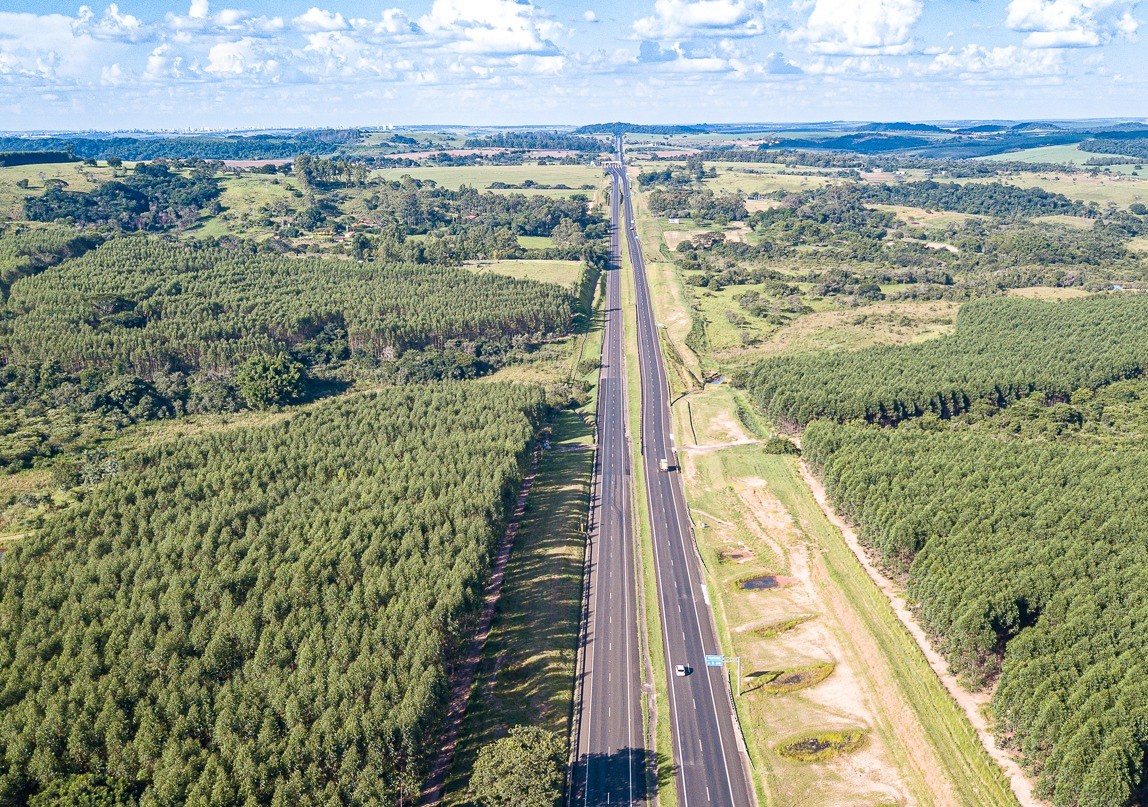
(970, 702)
(464, 677)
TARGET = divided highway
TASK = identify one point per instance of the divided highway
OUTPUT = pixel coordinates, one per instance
(611, 759)
(709, 764)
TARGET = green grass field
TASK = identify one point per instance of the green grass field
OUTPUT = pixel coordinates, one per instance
(564, 273)
(1067, 153)
(1122, 190)
(535, 241)
(78, 176)
(480, 176)
(527, 672)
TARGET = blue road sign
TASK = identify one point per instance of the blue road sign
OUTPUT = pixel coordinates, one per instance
(715, 661)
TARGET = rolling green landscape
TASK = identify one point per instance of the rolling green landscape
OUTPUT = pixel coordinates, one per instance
(268, 404)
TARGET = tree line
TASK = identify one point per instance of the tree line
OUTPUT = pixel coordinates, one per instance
(261, 615)
(207, 147)
(1001, 350)
(530, 140)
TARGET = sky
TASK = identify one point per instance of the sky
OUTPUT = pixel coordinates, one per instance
(199, 64)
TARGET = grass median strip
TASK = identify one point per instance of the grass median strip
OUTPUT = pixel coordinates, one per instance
(527, 672)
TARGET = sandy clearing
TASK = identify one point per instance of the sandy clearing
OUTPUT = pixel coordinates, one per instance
(939, 245)
(840, 701)
(725, 424)
(754, 205)
(970, 702)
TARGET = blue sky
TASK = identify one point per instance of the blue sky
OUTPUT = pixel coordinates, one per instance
(241, 63)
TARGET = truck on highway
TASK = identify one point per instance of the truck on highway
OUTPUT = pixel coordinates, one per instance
(663, 464)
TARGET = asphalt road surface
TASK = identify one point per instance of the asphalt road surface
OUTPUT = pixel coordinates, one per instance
(709, 764)
(611, 760)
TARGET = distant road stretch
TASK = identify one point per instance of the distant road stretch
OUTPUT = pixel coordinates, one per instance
(709, 765)
(611, 759)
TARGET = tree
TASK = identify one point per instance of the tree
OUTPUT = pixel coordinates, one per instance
(266, 381)
(83, 790)
(523, 769)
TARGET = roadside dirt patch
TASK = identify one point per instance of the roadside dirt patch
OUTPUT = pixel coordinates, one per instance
(778, 628)
(822, 746)
(777, 682)
(766, 582)
(804, 677)
(737, 554)
(725, 425)
(970, 703)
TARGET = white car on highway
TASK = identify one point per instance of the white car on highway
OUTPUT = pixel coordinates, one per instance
(681, 671)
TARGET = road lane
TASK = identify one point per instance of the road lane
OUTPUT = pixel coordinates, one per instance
(611, 760)
(710, 766)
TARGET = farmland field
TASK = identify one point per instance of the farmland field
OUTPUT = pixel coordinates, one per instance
(574, 176)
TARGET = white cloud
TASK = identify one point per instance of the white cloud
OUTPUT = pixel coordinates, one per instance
(162, 65)
(112, 75)
(113, 26)
(317, 19)
(1071, 23)
(539, 65)
(199, 21)
(241, 58)
(853, 67)
(493, 27)
(334, 53)
(674, 19)
(46, 48)
(1009, 62)
(589, 16)
(861, 27)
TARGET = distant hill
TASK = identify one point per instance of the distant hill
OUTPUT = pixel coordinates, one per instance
(620, 128)
(901, 127)
(860, 143)
(984, 128)
(205, 147)
(1030, 126)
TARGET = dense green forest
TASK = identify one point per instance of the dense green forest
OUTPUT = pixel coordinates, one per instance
(1001, 350)
(259, 615)
(25, 250)
(147, 305)
(220, 147)
(1132, 148)
(36, 157)
(538, 140)
(151, 197)
(140, 329)
(1026, 560)
(988, 199)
